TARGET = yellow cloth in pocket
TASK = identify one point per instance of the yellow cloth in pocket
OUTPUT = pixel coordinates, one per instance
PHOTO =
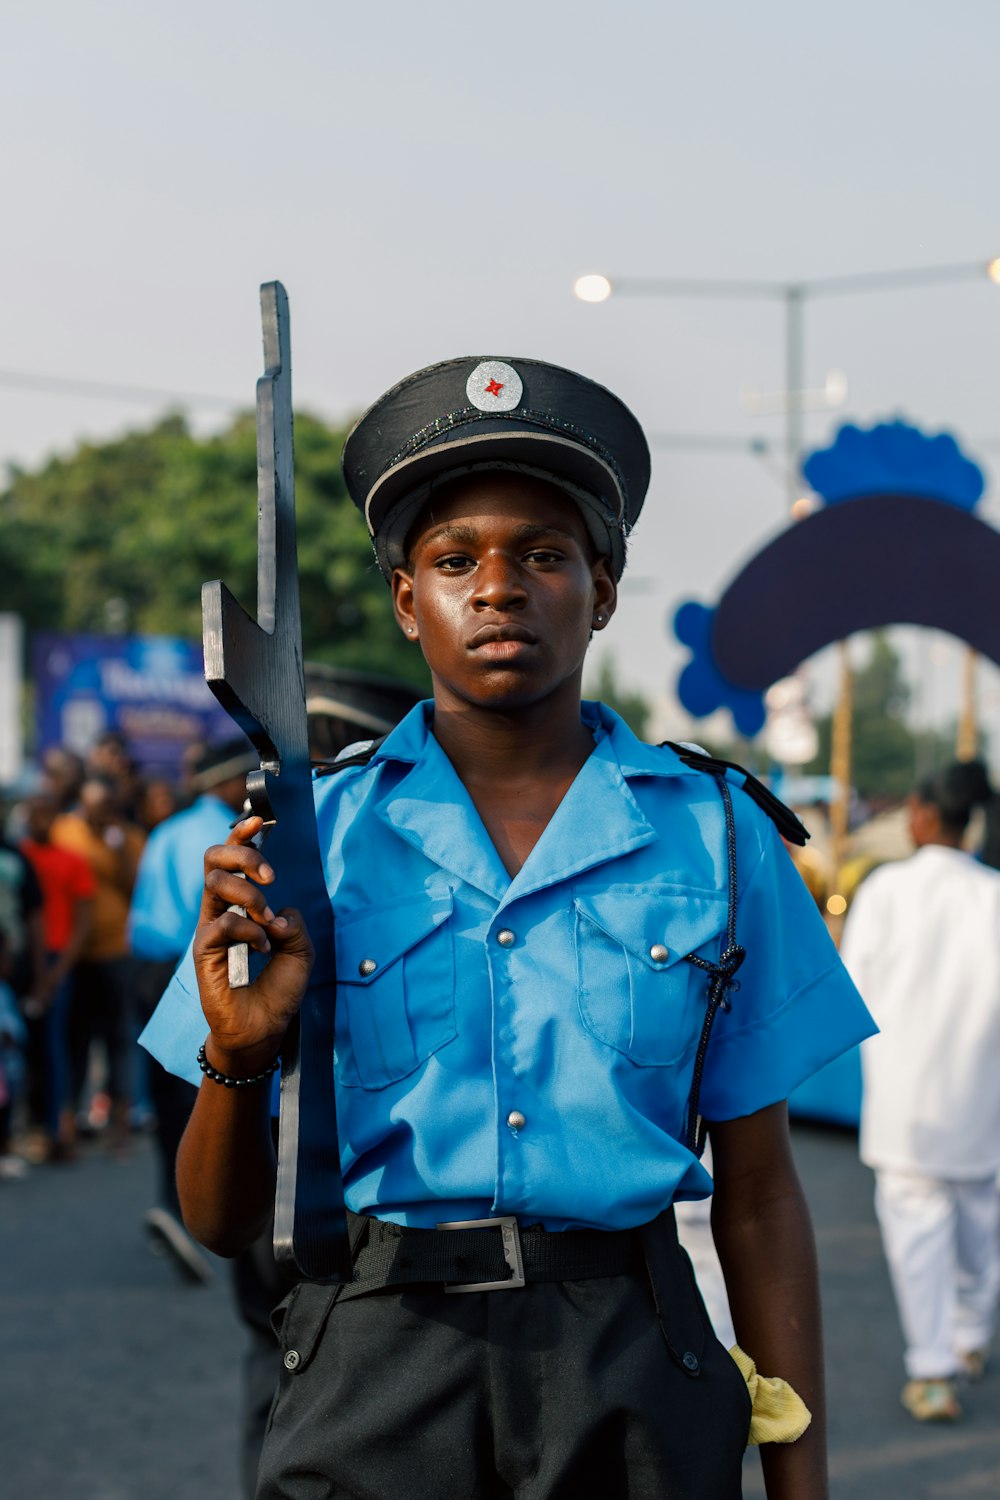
(778, 1415)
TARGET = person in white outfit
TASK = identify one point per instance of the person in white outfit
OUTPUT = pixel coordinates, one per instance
(922, 943)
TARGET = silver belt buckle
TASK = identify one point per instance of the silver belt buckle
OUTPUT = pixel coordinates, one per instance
(511, 1241)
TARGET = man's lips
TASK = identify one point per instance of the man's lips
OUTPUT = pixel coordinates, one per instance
(488, 635)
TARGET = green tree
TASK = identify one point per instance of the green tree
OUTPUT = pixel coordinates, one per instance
(631, 705)
(148, 517)
(884, 749)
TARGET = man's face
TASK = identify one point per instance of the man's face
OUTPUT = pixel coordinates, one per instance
(109, 758)
(98, 805)
(502, 590)
(41, 813)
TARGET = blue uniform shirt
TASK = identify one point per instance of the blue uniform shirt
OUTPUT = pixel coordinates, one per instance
(468, 1000)
(166, 901)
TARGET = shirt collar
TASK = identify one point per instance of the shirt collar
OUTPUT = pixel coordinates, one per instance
(941, 851)
(634, 756)
(408, 741)
(599, 819)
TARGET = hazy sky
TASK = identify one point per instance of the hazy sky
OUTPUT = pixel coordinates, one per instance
(428, 179)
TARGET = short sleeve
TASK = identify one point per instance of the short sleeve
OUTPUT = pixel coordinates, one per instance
(177, 1027)
(796, 1008)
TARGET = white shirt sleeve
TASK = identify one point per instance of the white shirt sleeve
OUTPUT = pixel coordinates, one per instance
(860, 944)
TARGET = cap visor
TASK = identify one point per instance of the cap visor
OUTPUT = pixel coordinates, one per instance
(544, 452)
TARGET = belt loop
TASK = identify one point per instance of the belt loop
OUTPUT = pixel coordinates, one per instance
(357, 1231)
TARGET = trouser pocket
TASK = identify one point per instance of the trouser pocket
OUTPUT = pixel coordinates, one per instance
(684, 1320)
(679, 1307)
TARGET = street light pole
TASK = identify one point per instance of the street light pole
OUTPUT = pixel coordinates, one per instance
(794, 383)
(793, 295)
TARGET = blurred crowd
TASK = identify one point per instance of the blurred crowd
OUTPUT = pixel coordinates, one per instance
(100, 881)
(69, 860)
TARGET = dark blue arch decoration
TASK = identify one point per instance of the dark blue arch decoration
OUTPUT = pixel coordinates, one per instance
(895, 542)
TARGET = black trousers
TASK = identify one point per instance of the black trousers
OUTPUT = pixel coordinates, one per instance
(99, 1011)
(553, 1392)
(172, 1098)
(258, 1284)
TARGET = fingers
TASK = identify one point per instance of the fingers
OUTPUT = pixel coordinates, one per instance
(239, 853)
(274, 996)
(229, 928)
(223, 890)
(233, 872)
(283, 933)
(237, 875)
(290, 938)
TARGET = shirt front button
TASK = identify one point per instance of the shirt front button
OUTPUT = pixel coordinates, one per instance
(516, 1120)
(659, 954)
(292, 1359)
(506, 938)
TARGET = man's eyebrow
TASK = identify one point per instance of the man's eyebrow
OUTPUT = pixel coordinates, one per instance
(450, 532)
(527, 532)
(531, 530)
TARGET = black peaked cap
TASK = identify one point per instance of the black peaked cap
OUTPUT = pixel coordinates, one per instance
(223, 760)
(521, 414)
(365, 699)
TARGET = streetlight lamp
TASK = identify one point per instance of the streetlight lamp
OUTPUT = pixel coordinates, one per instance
(793, 295)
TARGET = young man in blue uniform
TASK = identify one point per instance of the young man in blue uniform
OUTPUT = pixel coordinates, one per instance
(527, 899)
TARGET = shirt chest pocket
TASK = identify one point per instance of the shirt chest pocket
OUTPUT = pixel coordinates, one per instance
(395, 990)
(635, 990)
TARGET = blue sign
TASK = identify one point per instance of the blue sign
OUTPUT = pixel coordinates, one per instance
(150, 688)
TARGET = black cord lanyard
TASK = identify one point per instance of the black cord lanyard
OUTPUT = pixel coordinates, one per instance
(722, 978)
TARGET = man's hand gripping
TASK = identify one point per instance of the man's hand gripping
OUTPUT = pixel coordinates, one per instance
(247, 1026)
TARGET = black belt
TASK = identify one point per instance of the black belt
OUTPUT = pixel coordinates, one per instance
(473, 1255)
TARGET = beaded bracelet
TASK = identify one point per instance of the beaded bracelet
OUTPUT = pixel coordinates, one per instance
(234, 1083)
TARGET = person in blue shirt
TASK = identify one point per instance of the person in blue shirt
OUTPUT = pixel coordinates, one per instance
(527, 901)
(163, 915)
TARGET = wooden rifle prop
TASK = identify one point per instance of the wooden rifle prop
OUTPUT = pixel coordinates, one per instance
(255, 670)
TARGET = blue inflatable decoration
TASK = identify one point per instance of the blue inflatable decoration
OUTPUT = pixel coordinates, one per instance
(894, 459)
(895, 542)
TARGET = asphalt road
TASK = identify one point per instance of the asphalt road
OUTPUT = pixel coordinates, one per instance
(120, 1382)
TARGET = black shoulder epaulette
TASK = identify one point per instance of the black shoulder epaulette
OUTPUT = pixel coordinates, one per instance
(360, 758)
(787, 824)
